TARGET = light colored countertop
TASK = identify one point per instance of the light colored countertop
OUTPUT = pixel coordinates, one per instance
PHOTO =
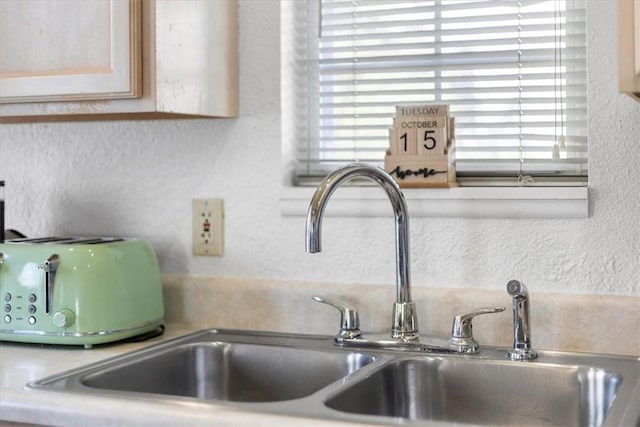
(558, 320)
(22, 363)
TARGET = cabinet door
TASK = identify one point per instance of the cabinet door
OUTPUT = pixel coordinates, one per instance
(629, 47)
(60, 50)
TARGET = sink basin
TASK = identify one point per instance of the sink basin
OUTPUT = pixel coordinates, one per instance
(213, 365)
(227, 371)
(309, 376)
(485, 393)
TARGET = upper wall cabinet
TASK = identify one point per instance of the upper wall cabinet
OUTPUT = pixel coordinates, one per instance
(117, 59)
(629, 47)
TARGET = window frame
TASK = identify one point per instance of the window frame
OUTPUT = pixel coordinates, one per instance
(567, 201)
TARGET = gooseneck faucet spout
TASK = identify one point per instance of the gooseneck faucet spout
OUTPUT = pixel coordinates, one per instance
(405, 322)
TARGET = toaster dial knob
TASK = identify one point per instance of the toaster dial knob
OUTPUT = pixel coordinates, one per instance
(64, 318)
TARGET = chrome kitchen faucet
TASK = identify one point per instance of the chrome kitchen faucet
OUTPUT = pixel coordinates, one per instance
(405, 321)
(404, 328)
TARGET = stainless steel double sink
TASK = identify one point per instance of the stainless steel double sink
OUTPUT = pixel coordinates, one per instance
(305, 375)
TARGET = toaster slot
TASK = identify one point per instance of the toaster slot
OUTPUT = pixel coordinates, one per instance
(67, 240)
(92, 240)
(42, 240)
(50, 267)
(104, 240)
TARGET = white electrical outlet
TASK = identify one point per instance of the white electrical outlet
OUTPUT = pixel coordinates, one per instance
(208, 230)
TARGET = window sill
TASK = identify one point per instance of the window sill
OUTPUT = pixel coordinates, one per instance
(460, 202)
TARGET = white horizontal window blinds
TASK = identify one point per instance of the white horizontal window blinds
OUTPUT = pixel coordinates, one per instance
(514, 74)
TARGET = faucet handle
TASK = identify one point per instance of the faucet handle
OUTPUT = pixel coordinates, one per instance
(349, 319)
(462, 330)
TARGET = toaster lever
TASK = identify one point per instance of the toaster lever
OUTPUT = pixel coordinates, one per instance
(1, 260)
(50, 267)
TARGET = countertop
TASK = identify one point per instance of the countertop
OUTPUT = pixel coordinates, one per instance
(22, 363)
(558, 320)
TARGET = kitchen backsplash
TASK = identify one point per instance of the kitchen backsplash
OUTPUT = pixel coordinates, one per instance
(569, 322)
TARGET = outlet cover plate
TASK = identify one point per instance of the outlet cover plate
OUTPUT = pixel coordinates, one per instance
(208, 231)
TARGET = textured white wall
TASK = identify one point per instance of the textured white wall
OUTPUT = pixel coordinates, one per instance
(137, 178)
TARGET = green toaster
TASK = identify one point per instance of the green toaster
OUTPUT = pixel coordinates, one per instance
(79, 291)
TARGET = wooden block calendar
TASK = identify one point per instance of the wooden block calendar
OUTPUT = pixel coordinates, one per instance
(421, 147)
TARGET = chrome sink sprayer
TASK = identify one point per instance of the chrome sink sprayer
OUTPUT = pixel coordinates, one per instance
(521, 327)
(405, 322)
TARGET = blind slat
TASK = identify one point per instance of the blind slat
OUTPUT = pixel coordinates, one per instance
(426, 65)
(427, 47)
(578, 99)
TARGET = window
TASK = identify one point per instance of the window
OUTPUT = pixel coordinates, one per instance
(513, 73)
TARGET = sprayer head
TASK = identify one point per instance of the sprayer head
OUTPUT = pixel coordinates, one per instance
(516, 288)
